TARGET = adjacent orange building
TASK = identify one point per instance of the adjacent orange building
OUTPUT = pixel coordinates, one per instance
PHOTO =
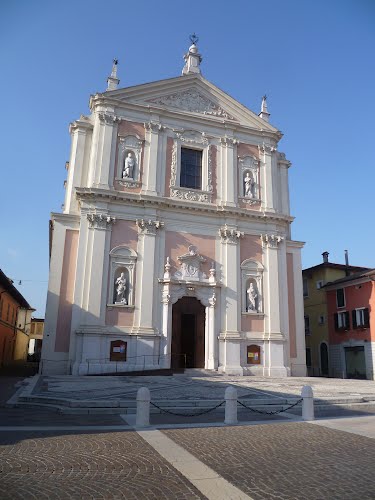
(15, 314)
(351, 325)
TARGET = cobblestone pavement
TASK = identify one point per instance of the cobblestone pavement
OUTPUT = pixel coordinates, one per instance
(198, 387)
(91, 465)
(290, 461)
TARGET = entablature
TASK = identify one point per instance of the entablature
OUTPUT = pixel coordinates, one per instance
(101, 195)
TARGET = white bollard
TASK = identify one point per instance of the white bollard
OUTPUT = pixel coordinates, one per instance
(143, 407)
(230, 405)
(307, 403)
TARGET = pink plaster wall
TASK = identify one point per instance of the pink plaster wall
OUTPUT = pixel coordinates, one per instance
(252, 324)
(168, 165)
(123, 233)
(129, 128)
(247, 149)
(291, 306)
(119, 317)
(64, 315)
(176, 244)
(251, 248)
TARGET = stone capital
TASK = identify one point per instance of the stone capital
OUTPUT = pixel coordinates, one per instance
(107, 118)
(271, 240)
(230, 235)
(153, 127)
(228, 141)
(148, 226)
(100, 221)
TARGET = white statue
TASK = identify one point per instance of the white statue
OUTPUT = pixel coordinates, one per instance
(120, 284)
(252, 296)
(128, 167)
(249, 184)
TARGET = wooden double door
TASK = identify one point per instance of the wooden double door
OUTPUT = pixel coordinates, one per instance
(188, 321)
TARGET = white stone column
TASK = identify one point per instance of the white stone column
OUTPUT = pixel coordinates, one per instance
(274, 363)
(102, 150)
(150, 169)
(211, 329)
(166, 337)
(229, 170)
(80, 131)
(230, 338)
(145, 279)
(97, 262)
(268, 177)
(298, 363)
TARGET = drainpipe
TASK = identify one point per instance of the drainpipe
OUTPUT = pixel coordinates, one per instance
(347, 263)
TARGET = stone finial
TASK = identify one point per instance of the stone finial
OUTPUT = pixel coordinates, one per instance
(264, 114)
(113, 81)
(192, 58)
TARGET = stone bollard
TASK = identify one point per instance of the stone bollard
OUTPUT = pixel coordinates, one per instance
(230, 405)
(307, 403)
(143, 408)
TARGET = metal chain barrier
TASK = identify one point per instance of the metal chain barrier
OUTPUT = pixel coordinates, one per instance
(196, 414)
(271, 412)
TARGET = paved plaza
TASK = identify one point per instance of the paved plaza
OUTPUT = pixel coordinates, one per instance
(44, 454)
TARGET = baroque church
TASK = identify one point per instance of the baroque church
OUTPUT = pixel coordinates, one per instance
(174, 249)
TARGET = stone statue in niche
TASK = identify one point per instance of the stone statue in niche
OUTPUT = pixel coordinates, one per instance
(129, 167)
(120, 285)
(249, 185)
(252, 295)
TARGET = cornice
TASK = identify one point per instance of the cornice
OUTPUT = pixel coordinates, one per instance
(100, 100)
(58, 217)
(295, 244)
(95, 194)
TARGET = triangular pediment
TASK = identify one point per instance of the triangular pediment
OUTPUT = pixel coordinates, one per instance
(193, 101)
(193, 95)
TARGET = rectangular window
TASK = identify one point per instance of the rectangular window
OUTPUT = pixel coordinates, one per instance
(308, 356)
(342, 321)
(361, 318)
(191, 168)
(305, 287)
(307, 325)
(7, 319)
(340, 297)
(322, 319)
(319, 284)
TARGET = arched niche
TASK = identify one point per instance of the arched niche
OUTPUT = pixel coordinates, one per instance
(252, 287)
(122, 267)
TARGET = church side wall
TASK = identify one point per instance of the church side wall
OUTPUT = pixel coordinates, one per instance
(64, 316)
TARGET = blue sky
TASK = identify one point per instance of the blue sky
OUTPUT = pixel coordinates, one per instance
(313, 59)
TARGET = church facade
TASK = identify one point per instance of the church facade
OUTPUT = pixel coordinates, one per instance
(173, 249)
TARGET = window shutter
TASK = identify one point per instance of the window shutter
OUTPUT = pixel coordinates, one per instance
(336, 318)
(367, 318)
(347, 320)
(354, 318)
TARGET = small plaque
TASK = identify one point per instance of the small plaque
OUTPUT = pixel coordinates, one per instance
(253, 355)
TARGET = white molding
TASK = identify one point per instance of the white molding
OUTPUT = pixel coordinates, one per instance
(192, 139)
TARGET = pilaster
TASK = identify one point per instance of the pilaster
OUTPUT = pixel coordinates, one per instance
(228, 154)
(231, 319)
(150, 165)
(268, 175)
(145, 279)
(102, 150)
(274, 363)
(79, 131)
(98, 243)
